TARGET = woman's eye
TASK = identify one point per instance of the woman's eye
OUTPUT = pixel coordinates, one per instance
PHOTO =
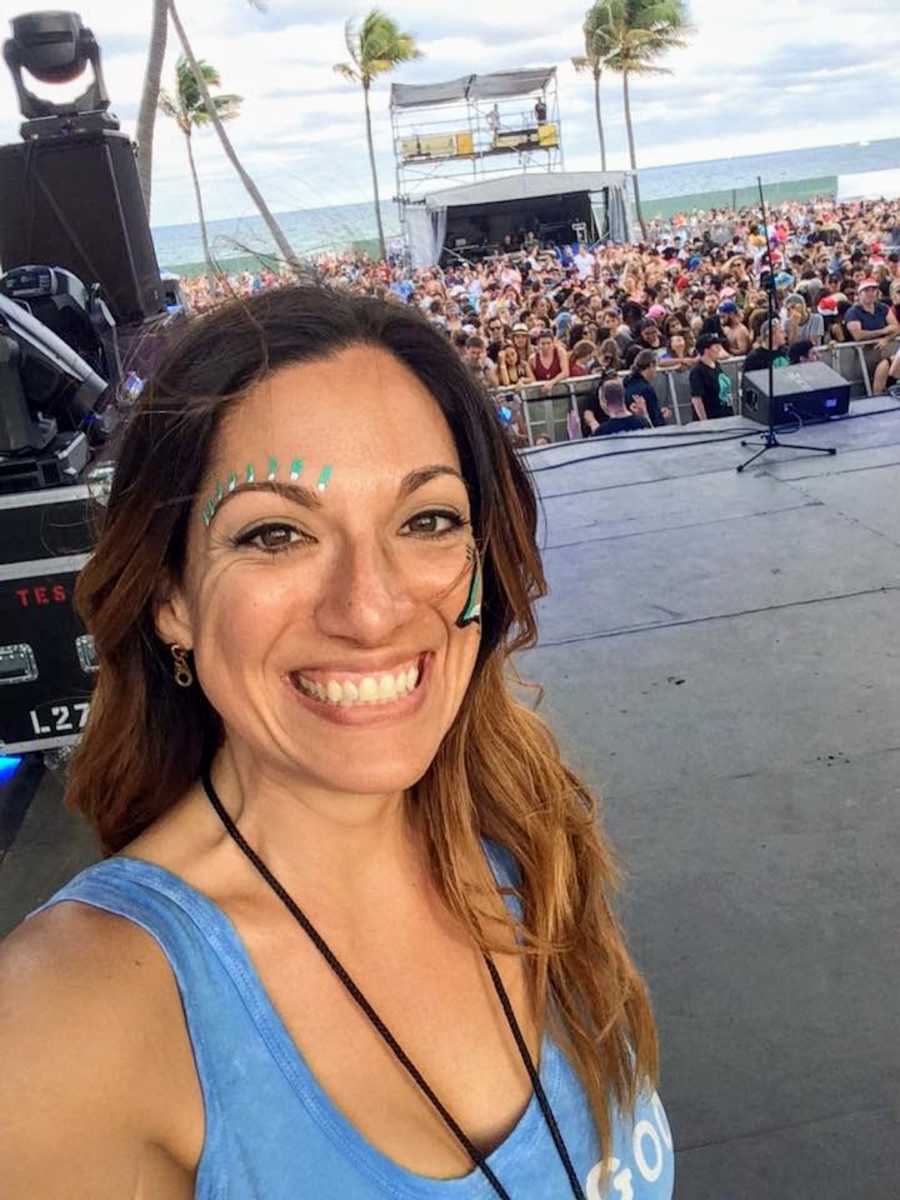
(270, 537)
(434, 524)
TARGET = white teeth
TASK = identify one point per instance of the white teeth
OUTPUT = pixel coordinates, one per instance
(369, 690)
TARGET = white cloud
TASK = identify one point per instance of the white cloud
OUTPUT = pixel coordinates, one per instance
(764, 76)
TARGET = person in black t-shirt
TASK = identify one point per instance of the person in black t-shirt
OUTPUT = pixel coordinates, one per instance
(620, 419)
(710, 386)
(759, 356)
(639, 388)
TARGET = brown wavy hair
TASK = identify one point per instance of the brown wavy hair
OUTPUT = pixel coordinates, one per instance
(498, 772)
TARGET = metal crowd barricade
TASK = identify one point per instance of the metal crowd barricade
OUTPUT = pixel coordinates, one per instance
(548, 416)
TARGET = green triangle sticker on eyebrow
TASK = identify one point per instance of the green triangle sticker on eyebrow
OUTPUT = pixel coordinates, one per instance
(324, 478)
(232, 481)
(251, 473)
(296, 469)
(273, 469)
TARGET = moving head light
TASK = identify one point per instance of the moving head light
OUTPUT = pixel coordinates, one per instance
(56, 48)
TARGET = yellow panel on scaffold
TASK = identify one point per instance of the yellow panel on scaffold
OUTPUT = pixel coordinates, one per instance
(464, 143)
(548, 136)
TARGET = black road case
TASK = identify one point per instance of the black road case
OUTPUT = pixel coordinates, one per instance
(47, 660)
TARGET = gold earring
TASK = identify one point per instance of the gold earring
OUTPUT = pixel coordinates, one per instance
(184, 676)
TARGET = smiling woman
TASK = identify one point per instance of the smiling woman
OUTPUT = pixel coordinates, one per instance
(372, 906)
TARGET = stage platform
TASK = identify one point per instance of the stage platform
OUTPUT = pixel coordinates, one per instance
(721, 657)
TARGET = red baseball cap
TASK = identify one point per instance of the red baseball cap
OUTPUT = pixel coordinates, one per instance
(867, 283)
(827, 306)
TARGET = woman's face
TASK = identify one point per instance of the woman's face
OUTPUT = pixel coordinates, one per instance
(677, 344)
(323, 619)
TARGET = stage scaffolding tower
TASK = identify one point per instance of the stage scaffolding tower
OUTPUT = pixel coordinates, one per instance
(473, 128)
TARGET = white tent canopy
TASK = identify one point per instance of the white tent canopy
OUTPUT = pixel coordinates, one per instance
(525, 186)
(471, 87)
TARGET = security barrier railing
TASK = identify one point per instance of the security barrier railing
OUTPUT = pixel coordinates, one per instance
(556, 414)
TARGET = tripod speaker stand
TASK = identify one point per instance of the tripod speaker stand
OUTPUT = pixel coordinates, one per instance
(770, 437)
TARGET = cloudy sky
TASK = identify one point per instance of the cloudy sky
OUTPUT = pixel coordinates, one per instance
(757, 76)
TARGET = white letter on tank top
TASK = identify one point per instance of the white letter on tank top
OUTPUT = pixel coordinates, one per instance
(643, 1130)
(661, 1120)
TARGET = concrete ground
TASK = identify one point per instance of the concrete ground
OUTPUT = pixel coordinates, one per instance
(720, 656)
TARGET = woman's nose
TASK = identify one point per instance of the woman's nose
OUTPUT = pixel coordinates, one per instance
(366, 598)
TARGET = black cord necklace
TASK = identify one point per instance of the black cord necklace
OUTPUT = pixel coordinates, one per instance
(321, 945)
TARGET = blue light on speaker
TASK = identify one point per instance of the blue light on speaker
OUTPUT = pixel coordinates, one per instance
(8, 767)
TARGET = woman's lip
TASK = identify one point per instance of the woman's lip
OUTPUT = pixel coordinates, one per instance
(383, 713)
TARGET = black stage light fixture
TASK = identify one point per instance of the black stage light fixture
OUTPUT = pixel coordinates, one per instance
(56, 48)
(69, 191)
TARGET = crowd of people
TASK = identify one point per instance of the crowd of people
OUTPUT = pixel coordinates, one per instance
(697, 291)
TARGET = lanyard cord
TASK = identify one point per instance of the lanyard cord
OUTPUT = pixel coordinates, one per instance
(322, 946)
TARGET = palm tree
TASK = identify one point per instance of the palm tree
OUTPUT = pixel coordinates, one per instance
(644, 30)
(274, 228)
(599, 23)
(375, 48)
(149, 97)
(189, 111)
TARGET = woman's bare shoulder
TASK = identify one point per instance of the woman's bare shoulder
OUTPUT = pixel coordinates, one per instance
(88, 1008)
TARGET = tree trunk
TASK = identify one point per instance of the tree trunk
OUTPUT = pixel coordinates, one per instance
(146, 122)
(629, 127)
(381, 241)
(210, 268)
(274, 228)
(599, 120)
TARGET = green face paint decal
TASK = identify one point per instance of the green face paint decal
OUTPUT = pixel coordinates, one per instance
(471, 613)
(233, 481)
(324, 477)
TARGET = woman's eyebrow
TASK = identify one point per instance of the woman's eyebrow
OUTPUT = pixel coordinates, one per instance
(422, 475)
(307, 497)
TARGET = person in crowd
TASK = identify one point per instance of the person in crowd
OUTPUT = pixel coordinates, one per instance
(640, 390)
(801, 352)
(735, 333)
(496, 339)
(550, 362)
(521, 340)
(711, 391)
(321, 811)
(648, 338)
(762, 355)
(679, 351)
(801, 325)
(871, 320)
(712, 319)
(479, 363)
(583, 359)
(612, 398)
(510, 370)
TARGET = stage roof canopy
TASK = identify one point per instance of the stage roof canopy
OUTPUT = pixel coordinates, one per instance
(525, 187)
(471, 87)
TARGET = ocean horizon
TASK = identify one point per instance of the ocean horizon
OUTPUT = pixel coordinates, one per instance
(314, 230)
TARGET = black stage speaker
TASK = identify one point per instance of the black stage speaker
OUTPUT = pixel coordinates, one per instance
(809, 390)
(75, 202)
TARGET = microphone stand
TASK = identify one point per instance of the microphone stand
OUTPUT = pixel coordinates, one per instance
(770, 438)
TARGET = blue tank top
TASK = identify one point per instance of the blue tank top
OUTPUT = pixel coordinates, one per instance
(272, 1133)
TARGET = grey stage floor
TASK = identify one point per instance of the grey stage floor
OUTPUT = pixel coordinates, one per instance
(720, 657)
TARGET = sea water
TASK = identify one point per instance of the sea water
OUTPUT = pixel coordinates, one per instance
(311, 230)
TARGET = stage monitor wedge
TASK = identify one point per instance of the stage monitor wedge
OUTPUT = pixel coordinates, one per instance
(809, 391)
(75, 202)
